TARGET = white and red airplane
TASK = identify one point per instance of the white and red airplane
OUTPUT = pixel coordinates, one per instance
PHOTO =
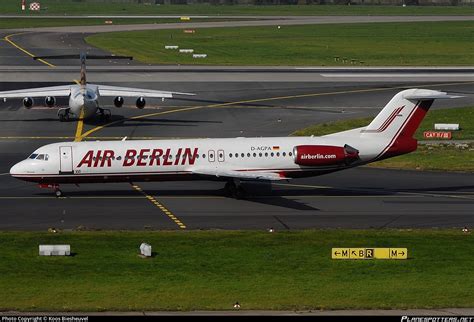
(84, 97)
(231, 159)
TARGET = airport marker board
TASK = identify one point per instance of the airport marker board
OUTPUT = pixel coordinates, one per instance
(369, 253)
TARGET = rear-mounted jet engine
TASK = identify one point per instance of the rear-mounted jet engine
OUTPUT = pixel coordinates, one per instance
(321, 155)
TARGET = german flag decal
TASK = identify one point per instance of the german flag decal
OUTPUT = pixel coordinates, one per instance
(276, 148)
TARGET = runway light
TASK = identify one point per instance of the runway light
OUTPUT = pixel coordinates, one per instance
(236, 305)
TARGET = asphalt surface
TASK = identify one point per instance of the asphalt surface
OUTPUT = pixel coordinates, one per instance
(357, 198)
(243, 103)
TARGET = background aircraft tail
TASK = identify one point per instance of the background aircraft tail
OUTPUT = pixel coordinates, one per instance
(82, 57)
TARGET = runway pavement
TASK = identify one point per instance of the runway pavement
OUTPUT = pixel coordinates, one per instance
(282, 21)
(228, 104)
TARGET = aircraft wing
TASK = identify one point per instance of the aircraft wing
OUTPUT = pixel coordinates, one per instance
(105, 90)
(249, 175)
(63, 90)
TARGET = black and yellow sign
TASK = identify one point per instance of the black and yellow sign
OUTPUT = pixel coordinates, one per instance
(369, 253)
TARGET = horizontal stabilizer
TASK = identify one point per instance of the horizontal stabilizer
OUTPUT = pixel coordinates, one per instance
(78, 56)
(426, 94)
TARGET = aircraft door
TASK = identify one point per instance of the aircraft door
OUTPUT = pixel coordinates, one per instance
(65, 159)
(220, 155)
(211, 156)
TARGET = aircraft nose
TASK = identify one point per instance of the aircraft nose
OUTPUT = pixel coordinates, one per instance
(17, 169)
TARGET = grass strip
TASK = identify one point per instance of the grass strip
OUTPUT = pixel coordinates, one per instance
(211, 270)
(74, 7)
(397, 44)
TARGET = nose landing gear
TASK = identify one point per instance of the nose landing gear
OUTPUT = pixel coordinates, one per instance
(57, 192)
(63, 114)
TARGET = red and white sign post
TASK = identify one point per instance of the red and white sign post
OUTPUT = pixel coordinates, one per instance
(35, 6)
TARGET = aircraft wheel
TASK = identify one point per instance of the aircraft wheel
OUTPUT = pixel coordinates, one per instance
(239, 193)
(234, 191)
(64, 117)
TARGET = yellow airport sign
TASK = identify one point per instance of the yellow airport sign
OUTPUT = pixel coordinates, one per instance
(185, 18)
(369, 253)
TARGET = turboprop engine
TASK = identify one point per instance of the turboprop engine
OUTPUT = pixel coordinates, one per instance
(28, 102)
(321, 155)
(50, 101)
(140, 102)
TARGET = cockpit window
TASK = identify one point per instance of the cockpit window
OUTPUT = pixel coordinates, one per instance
(44, 157)
(33, 156)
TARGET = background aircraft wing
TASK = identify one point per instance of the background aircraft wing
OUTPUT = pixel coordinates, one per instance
(249, 175)
(105, 90)
(63, 90)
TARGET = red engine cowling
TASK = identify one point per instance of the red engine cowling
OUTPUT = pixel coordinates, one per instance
(322, 155)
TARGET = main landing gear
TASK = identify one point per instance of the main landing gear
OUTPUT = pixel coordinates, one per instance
(63, 114)
(104, 113)
(234, 189)
(57, 192)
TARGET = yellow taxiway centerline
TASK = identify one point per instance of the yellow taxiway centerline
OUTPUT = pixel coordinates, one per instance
(11, 42)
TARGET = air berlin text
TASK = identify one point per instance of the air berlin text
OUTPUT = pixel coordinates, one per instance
(140, 158)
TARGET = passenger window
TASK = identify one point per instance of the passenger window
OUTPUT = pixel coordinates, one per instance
(230, 155)
(260, 154)
(266, 154)
(290, 154)
(272, 154)
(248, 155)
(284, 154)
(254, 155)
(242, 155)
(278, 154)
